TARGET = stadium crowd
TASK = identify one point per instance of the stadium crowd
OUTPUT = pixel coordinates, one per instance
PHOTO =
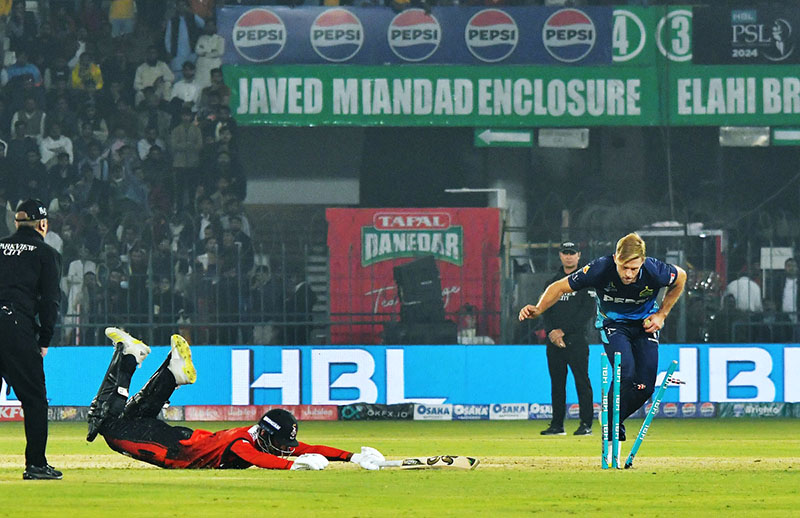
(117, 119)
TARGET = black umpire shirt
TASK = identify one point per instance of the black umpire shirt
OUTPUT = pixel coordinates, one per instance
(30, 271)
(570, 314)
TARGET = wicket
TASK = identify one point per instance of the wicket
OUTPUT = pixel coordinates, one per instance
(653, 411)
(610, 456)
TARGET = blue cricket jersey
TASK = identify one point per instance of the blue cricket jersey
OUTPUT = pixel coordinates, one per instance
(623, 303)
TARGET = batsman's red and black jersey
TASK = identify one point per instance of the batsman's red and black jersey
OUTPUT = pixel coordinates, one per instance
(234, 448)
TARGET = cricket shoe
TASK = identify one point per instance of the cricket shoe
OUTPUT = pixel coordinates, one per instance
(552, 430)
(45, 472)
(180, 362)
(583, 429)
(130, 345)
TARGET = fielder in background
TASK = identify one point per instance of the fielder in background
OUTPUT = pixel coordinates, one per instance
(567, 346)
(130, 426)
(627, 285)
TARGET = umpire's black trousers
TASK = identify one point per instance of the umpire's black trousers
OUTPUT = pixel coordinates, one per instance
(22, 367)
(576, 356)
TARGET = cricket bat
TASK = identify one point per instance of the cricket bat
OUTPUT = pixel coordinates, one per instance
(438, 462)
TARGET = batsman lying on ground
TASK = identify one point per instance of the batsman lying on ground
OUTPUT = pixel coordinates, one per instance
(130, 426)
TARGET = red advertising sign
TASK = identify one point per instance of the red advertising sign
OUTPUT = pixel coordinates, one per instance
(366, 244)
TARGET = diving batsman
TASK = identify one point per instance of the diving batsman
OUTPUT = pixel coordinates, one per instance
(130, 426)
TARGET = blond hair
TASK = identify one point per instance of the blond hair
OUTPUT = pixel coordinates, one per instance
(630, 247)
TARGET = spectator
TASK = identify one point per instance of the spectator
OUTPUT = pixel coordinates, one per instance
(155, 73)
(72, 285)
(300, 307)
(33, 177)
(210, 49)
(17, 150)
(97, 122)
(86, 76)
(785, 297)
(21, 27)
(80, 144)
(181, 35)
(186, 91)
(153, 112)
(218, 87)
(112, 95)
(19, 69)
(56, 83)
(265, 304)
(168, 308)
(96, 163)
(125, 118)
(203, 8)
(122, 15)
(54, 144)
(33, 117)
(746, 292)
(61, 175)
(65, 117)
(118, 68)
(149, 140)
(185, 143)
(91, 310)
(90, 188)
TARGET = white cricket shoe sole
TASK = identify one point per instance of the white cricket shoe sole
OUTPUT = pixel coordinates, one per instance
(130, 345)
(180, 363)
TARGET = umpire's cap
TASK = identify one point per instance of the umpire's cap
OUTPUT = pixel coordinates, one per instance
(33, 210)
(569, 247)
(281, 425)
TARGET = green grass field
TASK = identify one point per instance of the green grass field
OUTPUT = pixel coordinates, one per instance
(720, 467)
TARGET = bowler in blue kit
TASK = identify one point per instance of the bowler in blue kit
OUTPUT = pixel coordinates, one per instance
(627, 285)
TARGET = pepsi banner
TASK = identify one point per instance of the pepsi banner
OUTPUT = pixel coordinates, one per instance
(445, 35)
(761, 34)
(416, 95)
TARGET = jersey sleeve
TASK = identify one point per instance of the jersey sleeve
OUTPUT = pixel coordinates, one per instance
(665, 274)
(587, 277)
(249, 453)
(326, 451)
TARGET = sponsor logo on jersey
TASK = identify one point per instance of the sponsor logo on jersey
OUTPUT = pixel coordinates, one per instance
(414, 35)
(491, 35)
(646, 292)
(671, 278)
(621, 300)
(586, 269)
(16, 248)
(259, 35)
(568, 35)
(337, 35)
(610, 288)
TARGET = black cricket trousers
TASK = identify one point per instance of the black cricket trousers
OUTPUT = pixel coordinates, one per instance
(21, 364)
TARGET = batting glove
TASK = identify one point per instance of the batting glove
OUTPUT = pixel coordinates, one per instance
(369, 458)
(310, 461)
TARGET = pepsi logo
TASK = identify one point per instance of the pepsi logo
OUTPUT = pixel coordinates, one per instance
(670, 409)
(414, 35)
(491, 35)
(689, 409)
(337, 35)
(259, 35)
(568, 35)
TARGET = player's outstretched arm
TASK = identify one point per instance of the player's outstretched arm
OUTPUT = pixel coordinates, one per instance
(550, 296)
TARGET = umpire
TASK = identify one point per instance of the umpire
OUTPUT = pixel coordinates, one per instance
(566, 324)
(30, 271)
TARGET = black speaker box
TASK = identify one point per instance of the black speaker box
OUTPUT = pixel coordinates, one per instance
(420, 290)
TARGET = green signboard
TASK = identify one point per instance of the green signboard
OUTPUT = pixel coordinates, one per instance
(420, 95)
